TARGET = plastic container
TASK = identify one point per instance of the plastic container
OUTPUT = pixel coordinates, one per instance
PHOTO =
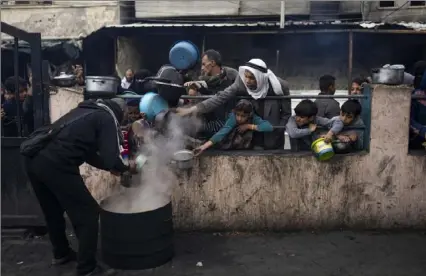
(184, 55)
(323, 151)
(152, 104)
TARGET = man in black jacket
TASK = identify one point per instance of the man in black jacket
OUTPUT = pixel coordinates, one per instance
(55, 176)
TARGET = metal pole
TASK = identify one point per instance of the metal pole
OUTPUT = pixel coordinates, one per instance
(282, 15)
(277, 61)
(350, 59)
(16, 76)
(203, 47)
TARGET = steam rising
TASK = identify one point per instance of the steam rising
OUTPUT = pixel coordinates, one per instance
(152, 187)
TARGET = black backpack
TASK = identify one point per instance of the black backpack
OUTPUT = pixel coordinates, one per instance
(42, 136)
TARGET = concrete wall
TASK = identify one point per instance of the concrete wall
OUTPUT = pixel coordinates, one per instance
(382, 189)
(146, 9)
(370, 9)
(62, 20)
(402, 11)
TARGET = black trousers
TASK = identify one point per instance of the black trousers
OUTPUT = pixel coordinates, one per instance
(61, 189)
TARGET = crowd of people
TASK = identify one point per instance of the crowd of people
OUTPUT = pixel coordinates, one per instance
(218, 113)
(92, 133)
(261, 121)
(11, 105)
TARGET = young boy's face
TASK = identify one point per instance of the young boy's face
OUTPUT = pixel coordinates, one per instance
(356, 89)
(133, 113)
(192, 92)
(241, 117)
(303, 120)
(346, 118)
(9, 95)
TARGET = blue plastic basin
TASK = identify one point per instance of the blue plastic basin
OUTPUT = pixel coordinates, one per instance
(151, 104)
(184, 55)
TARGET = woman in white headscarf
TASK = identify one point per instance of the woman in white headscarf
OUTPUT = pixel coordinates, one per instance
(256, 81)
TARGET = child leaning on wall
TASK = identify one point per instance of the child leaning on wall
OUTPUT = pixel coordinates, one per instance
(350, 116)
(301, 127)
(237, 133)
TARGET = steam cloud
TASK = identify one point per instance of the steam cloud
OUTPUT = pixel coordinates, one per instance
(153, 186)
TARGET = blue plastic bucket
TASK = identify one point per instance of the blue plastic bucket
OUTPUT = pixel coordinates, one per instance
(152, 104)
(184, 55)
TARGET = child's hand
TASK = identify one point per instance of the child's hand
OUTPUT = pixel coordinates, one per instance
(199, 150)
(244, 128)
(344, 139)
(312, 127)
(328, 137)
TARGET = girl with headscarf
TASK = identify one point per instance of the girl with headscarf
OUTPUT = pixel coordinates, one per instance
(258, 82)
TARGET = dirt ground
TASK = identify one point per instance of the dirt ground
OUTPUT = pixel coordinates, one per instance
(295, 254)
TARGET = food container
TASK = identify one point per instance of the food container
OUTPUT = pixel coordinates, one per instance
(101, 87)
(136, 241)
(342, 147)
(152, 104)
(183, 159)
(184, 55)
(390, 74)
(64, 80)
(323, 151)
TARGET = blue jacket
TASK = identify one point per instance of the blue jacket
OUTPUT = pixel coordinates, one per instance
(231, 123)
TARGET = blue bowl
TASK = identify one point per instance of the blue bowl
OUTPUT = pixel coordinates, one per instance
(152, 104)
(184, 55)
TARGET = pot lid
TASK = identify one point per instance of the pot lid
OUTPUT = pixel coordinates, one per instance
(64, 76)
(168, 84)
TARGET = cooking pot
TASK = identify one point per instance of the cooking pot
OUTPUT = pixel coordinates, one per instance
(393, 74)
(341, 147)
(183, 159)
(100, 87)
(64, 80)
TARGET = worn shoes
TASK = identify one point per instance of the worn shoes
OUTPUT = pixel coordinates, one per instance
(71, 257)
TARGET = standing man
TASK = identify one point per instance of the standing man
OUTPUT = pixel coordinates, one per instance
(327, 108)
(127, 80)
(215, 77)
(94, 137)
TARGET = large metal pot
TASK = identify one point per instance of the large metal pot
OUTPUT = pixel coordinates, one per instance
(393, 74)
(99, 86)
(183, 159)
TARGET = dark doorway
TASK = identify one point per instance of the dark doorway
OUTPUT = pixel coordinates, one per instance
(24, 112)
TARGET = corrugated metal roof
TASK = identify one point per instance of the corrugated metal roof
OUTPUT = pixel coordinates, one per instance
(179, 25)
(417, 26)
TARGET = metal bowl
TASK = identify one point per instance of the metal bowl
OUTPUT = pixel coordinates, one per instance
(183, 159)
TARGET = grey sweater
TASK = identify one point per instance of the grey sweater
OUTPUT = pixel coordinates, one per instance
(334, 124)
(327, 108)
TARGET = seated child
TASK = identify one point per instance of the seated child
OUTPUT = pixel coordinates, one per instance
(302, 126)
(211, 122)
(237, 133)
(350, 116)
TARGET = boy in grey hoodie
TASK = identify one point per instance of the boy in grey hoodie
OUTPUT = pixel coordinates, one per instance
(301, 127)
